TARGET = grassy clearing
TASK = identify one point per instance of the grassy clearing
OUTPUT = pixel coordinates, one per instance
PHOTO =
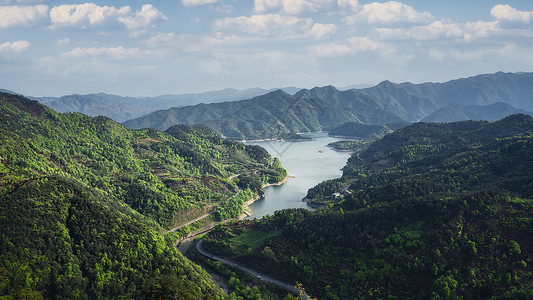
(251, 239)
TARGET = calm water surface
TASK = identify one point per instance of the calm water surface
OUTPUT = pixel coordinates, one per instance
(310, 162)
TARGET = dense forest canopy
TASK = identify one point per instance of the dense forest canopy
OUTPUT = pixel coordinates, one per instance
(440, 211)
(84, 202)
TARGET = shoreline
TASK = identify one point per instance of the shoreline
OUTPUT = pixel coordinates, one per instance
(312, 204)
(246, 213)
(278, 183)
(283, 139)
(246, 206)
(340, 150)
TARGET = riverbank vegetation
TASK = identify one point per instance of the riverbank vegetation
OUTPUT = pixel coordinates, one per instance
(439, 211)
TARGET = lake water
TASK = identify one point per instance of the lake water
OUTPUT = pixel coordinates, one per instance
(310, 162)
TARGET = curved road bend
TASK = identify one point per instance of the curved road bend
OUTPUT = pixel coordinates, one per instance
(256, 274)
(359, 156)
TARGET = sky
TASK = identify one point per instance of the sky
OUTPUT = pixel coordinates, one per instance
(138, 48)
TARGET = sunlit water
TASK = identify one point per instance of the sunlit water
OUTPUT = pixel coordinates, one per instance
(310, 162)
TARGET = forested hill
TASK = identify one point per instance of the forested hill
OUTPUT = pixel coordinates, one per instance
(440, 211)
(277, 114)
(121, 108)
(457, 112)
(417, 101)
(83, 202)
(362, 131)
(273, 115)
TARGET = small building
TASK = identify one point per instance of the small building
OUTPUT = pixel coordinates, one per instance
(334, 196)
(346, 191)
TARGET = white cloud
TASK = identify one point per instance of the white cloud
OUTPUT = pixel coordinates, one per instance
(17, 47)
(330, 50)
(439, 30)
(364, 44)
(319, 31)
(171, 41)
(84, 14)
(508, 13)
(188, 3)
(224, 8)
(90, 14)
(292, 7)
(116, 52)
(351, 46)
(143, 18)
(388, 12)
(276, 25)
(353, 5)
(21, 15)
(64, 41)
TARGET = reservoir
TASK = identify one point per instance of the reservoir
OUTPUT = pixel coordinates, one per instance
(310, 162)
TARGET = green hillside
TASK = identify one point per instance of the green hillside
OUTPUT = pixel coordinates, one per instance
(440, 211)
(83, 202)
(273, 115)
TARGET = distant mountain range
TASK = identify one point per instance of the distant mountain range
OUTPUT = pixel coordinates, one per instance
(121, 108)
(259, 113)
(278, 114)
(458, 112)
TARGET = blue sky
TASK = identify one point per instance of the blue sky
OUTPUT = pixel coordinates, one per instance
(137, 48)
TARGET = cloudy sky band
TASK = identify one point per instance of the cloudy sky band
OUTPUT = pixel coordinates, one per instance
(200, 45)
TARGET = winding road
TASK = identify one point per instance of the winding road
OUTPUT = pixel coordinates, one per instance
(302, 294)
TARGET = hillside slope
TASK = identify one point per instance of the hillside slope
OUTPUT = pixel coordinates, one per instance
(435, 211)
(83, 202)
(454, 112)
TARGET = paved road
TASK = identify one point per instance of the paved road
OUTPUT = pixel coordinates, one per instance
(256, 274)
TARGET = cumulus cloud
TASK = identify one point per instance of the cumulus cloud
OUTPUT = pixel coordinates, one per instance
(319, 31)
(276, 25)
(293, 7)
(143, 18)
(388, 12)
(22, 15)
(17, 47)
(439, 30)
(90, 14)
(84, 14)
(188, 3)
(508, 13)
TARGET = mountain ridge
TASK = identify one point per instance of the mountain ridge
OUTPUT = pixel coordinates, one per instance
(122, 108)
(384, 103)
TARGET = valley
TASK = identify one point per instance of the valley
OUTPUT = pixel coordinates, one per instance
(92, 209)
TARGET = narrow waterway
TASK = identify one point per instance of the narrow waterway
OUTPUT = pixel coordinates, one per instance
(310, 162)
